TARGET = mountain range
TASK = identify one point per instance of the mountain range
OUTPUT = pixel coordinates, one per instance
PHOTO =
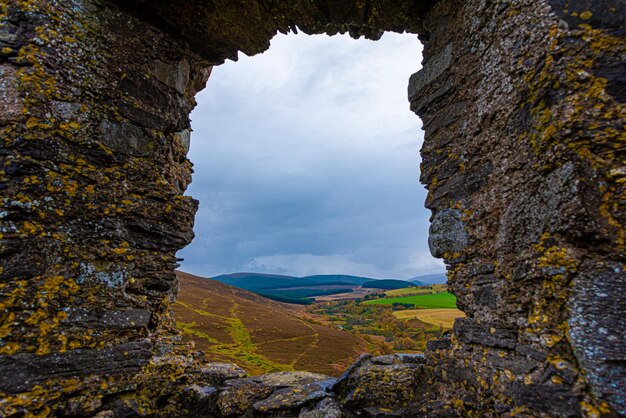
(299, 290)
(437, 278)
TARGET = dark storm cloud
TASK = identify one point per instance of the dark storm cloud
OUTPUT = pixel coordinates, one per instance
(307, 162)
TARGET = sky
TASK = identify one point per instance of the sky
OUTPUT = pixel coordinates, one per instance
(306, 161)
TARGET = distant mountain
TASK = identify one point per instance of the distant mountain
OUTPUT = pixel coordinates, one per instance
(298, 290)
(426, 279)
(339, 278)
(387, 284)
(259, 281)
(270, 281)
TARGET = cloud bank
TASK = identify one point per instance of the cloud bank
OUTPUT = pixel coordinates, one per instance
(307, 162)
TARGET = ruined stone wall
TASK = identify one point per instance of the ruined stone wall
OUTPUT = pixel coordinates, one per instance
(94, 127)
(523, 110)
(522, 103)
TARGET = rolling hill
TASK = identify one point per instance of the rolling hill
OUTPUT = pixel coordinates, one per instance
(274, 281)
(298, 290)
(388, 284)
(260, 335)
(438, 278)
(258, 281)
(339, 278)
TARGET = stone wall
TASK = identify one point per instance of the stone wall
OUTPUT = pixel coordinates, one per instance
(94, 126)
(524, 163)
(522, 103)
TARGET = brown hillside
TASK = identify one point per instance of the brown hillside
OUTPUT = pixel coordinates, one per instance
(260, 335)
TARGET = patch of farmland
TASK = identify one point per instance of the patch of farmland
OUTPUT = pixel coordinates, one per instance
(421, 290)
(444, 300)
(440, 317)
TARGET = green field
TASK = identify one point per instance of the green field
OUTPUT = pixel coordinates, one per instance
(421, 290)
(434, 301)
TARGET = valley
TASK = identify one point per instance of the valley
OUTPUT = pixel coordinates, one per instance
(323, 335)
(310, 289)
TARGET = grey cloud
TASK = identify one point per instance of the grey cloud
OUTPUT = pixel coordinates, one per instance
(307, 159)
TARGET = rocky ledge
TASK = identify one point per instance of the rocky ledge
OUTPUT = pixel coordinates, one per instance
(384, 386)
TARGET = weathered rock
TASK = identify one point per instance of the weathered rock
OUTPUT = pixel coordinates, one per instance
(447, 234)
(216, 374)
(434, 68)
(390, 385)
(374, 412)
(174, 74)
(23, 371)
(82, 405)
(597, 329)
(200, 401)
(386, 359)
(440, 344)
(520, 207)
(399, 358)
(124, 407)
(523, 109)
(240, 395)
(291, 379)
(185, 139)
(416, 358)
(291, 399)
(492, 335)
(10, 101)
(326, 408)
(104, 414)
(129, 318)
(555, 399)
(363, 359)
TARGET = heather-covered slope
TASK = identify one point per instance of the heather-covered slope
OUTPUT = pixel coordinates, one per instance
(259, 334)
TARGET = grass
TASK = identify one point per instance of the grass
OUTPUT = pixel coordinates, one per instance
(189, 330)
(444, 300)
(441, 317)
(422, 290)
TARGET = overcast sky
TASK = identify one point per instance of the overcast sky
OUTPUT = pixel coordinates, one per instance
(307, 162)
